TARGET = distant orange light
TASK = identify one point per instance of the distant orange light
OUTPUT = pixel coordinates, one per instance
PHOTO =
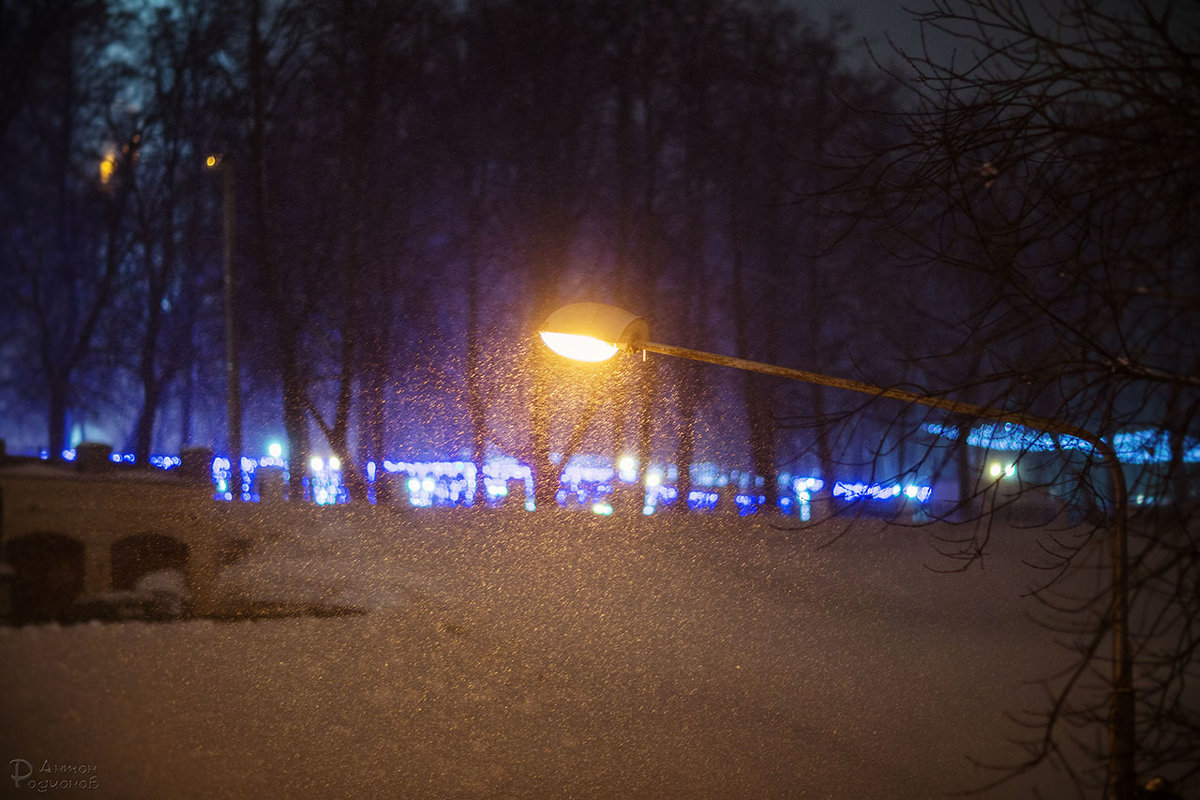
(212, 161)
(108, 165)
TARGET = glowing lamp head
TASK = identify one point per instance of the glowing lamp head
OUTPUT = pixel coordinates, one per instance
(580, 348)
(593, 331)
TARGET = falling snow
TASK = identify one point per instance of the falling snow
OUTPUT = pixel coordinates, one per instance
(553, 655)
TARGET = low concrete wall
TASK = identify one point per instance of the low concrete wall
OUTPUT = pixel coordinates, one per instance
(98, 507)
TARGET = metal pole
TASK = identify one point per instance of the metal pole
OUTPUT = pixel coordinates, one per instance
(1122, 732)
(233, 387)
(1121, 715)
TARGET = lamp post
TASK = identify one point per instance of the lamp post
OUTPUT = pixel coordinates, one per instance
(233, 383)
(597, 332)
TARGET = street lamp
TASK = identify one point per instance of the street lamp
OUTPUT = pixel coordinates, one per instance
(593, 331)
(596, 332)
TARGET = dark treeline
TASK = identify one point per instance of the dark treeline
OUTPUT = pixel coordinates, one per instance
(415, 187)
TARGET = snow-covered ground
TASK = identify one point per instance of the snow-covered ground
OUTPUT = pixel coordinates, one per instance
(551, 655)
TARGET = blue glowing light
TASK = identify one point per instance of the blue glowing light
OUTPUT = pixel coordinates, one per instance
(699, 500)
(589, 482)
(811, 485)
(1132, 447)
(880, 491)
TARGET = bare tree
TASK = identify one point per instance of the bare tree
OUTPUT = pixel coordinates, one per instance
(376, 57)
(551, 132)
(181, 91)
(1052, 157)
(66, 206)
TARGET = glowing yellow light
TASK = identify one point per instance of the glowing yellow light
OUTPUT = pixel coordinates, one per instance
(995, 470)
(579, 347)
(603, 509)
(627, 464)
(107, 166)
(211, 161)
(317, 463)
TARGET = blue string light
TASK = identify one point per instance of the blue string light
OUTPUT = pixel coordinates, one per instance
(1132, 447)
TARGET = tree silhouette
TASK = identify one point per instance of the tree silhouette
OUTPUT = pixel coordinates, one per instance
(1050, 161)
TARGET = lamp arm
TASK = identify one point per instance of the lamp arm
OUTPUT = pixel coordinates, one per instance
(932, 400)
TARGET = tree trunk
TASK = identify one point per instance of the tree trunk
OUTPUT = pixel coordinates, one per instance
(57, 418)
(762, 438)
(476, 408)
(147, 374)
(690, 384)
(144, 429)
(545, 474)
